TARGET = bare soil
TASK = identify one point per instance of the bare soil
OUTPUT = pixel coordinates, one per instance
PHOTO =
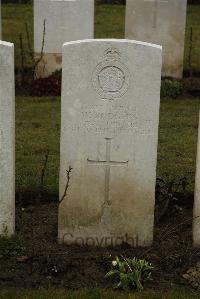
(43, 262)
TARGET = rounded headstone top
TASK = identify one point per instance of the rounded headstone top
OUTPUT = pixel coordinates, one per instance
(113, 40)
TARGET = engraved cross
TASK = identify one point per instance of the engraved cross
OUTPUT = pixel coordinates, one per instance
(155, 16)
(108, 163)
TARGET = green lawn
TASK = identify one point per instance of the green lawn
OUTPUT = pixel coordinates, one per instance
(94, 294)
(14, 18)
(37, 131)
(109, 23)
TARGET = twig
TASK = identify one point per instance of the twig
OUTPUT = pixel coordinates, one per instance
(42, 48)
(190, 52)
(174, 228)
(67, 184)
(126, 262)
(33, 251)
(44, 166)
(22, 58)
(30, 49)
(164, 210)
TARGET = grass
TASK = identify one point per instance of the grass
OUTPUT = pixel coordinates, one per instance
(178, 139)
(94, 294)
(38, 127)
(14, 17)
(109, 23)
(37, 131)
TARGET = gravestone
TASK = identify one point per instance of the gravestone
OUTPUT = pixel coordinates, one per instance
(109, 128)
(196, 209)
(161, 22)
(65, 20)
(7, 139)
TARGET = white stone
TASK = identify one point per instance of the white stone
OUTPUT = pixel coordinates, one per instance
(7, 139)
(66, 20)
(161, 22)
(196, 209)
(109, 131)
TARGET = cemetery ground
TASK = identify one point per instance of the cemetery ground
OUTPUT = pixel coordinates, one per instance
(32, 258)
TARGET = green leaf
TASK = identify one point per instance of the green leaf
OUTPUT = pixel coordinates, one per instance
(111, 273)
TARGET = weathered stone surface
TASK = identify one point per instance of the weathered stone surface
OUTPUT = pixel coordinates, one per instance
(161, 22)
(65, 20)
(196, 209)
(7, 139)
(109, 125)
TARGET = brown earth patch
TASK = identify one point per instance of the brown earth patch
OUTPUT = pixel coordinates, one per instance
(43, 262)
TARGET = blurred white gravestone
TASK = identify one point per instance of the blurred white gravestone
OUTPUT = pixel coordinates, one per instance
(161, 22)
(7, 139)
(196, 209)
(65, 20)
(109, 128)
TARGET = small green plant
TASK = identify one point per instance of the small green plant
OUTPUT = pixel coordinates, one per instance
(9, 246)
(130, 273)
(171, 88)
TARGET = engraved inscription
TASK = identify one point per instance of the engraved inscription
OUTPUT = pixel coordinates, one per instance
(110, 119)
(111, 77)
(117, 119)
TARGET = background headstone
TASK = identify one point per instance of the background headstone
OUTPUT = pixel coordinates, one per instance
(196, 209)
(161, 22)
(65, 20)
(109, 128)
(7, 139)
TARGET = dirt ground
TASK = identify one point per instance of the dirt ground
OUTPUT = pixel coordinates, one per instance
(44, 263)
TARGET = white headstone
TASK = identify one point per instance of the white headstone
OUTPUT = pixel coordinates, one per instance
(109, 128)
(65, 20)
(196, 209)
(161, 22)
(7, 139)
